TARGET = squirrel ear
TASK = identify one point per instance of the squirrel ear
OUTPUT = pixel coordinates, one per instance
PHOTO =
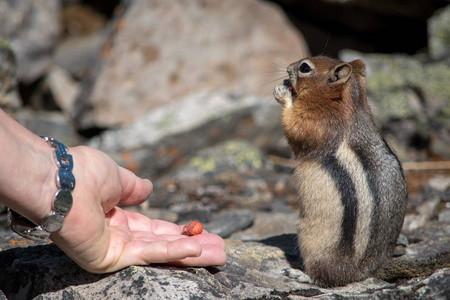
(359, 67)
(341, 73)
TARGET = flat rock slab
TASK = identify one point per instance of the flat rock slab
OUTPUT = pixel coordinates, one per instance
(255, 270)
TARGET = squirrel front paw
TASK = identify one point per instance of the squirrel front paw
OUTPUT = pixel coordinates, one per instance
(282, 94)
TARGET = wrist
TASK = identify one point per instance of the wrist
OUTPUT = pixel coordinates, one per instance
(40, 188)
(27, 171)
(62, 201)
(27, 179)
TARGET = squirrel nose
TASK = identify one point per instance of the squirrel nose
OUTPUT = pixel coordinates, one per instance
(290, 70)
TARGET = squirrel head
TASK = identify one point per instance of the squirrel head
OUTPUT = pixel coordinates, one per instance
(323, 77)
(326, 88)
(325, 95)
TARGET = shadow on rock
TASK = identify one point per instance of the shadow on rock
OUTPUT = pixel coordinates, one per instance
(288, 244)
(25, 272)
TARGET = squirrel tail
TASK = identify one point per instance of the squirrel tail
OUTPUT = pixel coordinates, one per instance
(408, 268)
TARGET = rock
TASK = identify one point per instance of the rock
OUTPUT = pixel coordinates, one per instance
(193, 211)
(439, 32)
(165, 51)
(79, 19)
(63, 89)
(78, 55)
(227, 223)
(9, 98)
(268, 224)
(437, 185)
(255, 270)
(187, 115)
(444, 215)
(428, 241)
(233, 155)
(409, 101)
(440, 139)
(169, 135)
(426, 212)
(232, 175)
(32, 28)
(51, 123)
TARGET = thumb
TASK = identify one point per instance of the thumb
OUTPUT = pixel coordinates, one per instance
(135, 190)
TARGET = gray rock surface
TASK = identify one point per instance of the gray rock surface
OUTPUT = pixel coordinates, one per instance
(267, 269)
(165, 51)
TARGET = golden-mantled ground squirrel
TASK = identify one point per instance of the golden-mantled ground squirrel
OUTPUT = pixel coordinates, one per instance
(352, 190)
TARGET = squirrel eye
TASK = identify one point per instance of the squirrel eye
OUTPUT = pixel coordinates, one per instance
(305, 68)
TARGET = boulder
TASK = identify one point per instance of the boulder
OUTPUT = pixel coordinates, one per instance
(165, 51)
(33, 29)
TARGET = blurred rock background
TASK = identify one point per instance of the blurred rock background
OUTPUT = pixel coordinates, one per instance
(181, 92)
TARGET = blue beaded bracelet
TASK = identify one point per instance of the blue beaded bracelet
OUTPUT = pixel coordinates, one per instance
(62, 202)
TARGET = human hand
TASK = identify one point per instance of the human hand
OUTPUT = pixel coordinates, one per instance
(101, 237)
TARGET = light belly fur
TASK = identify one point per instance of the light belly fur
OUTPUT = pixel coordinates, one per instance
(321, 207)
(321, 211)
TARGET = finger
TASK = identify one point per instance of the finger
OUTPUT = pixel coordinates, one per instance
(139, 222)
(210, 239)
(202, 239)
(135, 190)
(144, 253)
(212, 255)
(142, 226)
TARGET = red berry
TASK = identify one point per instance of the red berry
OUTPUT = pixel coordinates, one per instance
(192, 228)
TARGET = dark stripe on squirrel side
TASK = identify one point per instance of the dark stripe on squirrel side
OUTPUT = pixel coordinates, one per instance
(349, 200)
